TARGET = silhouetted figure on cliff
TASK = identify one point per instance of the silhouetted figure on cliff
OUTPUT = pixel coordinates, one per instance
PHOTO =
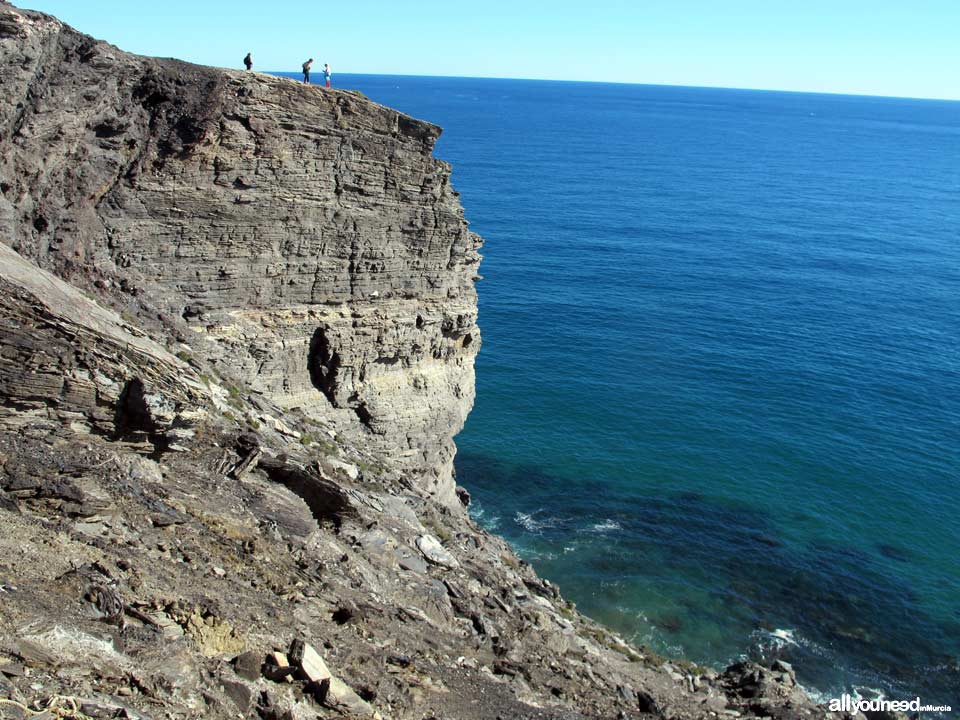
(306, 70)
(248, 61)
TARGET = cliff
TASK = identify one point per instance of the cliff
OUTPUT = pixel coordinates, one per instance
(310, 237)
(237, 333)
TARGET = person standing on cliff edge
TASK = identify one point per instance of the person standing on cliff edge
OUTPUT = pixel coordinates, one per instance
(248, 61)
(326, 73)
(306, 70)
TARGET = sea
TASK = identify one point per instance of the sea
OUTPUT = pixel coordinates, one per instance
(718, 397)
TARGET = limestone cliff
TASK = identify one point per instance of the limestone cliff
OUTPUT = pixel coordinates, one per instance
(310, 235)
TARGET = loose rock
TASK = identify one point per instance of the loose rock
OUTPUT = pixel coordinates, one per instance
(434, 552)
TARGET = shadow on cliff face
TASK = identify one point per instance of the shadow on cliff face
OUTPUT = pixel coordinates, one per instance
(715, 580)
(328, 501)
(180, 100)
(142, 415)
(323, 363)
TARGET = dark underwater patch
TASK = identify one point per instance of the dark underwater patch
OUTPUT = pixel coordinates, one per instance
(893, 552)
(857, 619)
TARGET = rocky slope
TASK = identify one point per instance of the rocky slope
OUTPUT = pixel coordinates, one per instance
(237, 331)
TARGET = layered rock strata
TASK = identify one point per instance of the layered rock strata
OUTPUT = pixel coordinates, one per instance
(67, 361)
(309, 234)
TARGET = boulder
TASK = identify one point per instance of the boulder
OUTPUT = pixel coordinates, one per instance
(312, 666)
(435, 553)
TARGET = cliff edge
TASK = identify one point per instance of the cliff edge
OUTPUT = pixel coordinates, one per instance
(237, 333)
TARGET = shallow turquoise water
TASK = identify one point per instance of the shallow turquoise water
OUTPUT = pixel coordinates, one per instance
(719, 392)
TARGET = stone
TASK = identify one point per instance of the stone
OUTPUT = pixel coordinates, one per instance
(558, 643)
(408, 561)
(240, 693)
(341, 696)
(247, 665)
(174, 667)
(435, 553)
(277, 667)
(12, 669)
(34, 655)
(328, 501)
(7, 691)
(278, 425)
(247, 443)
(399, 660)
(244, 466)
(168, 517)
(213, 635)
(104, 708)
(309, 662)
(179, 439)
(782, 666)
(647, 704)
(170, 629)
(628, 694)
(333, 467)
(8, 503)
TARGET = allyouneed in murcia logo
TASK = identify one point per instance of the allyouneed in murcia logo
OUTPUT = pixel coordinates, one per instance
(847, 703)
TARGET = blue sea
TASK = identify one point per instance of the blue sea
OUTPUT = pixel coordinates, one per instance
(718, 399)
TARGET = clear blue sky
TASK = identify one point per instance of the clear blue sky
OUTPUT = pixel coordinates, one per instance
(875, 47)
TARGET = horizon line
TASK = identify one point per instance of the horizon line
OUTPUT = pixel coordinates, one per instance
(625, 82)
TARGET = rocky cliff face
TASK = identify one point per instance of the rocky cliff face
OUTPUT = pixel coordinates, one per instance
(309, 236)
(237, 331)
